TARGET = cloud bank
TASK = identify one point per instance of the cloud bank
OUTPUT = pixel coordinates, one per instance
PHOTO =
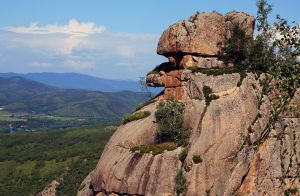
(82, 47)
(73, 28)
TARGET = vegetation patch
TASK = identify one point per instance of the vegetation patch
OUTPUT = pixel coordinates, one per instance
(81, 187)
(180, 182)
(290, 191)
(194, 17)
(171, 134)
(144, 104)
(152, 72)
(135, 116)
(243, 75)
(197, 159)
(155, 149)
(236, 47)
(216, 71)
(183, 154)
(207, 192)
(169, 116)
(209, 97)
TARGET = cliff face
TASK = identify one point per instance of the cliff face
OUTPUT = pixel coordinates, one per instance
(240, 154)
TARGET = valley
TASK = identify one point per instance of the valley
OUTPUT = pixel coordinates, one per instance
(28, 105)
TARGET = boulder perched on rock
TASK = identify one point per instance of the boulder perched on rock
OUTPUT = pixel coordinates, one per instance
(202, 35)
(235, 146)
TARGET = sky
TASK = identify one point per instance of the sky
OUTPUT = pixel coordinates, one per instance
(113, 39)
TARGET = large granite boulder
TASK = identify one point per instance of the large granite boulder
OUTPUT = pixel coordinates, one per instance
(201, 37)
(202, 33)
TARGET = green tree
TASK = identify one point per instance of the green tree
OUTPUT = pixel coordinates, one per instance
(263, 11)
(247, 52)
(235, 49)
(169, 116)
(261, 54)
(287, 67)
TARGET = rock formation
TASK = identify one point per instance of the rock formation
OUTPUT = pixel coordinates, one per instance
(240, 155)
(198, 40)
(50, 190)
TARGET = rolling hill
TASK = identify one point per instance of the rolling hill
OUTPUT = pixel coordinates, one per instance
(79, 81)
(19, 94)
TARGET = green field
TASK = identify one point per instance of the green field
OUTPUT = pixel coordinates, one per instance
(45, 116)
(7, 116)
(30, 161)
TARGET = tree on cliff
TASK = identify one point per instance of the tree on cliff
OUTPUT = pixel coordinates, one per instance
(235, 50)
(263, 11)
(275, 47)
(261, 53)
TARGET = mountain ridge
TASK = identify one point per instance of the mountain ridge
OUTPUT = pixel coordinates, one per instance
(21, 94)
(71, 80)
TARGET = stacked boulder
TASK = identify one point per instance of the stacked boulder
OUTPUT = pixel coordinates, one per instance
(196, 42)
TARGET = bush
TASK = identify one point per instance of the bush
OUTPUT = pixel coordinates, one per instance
(180, 182)
(197, 159)
(183, 154)
(152, 72)
(216, 71)
(235, 49)
(155, 148)
(135, 116)
(169, 116)
(207, 91)
(245, 51)
(290, 191)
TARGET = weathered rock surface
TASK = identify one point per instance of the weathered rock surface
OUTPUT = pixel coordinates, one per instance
(240, 156)
(84, 188)
(202, 35)
(123, 171)
(235, 159)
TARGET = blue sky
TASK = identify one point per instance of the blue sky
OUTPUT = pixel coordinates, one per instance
(111, 39)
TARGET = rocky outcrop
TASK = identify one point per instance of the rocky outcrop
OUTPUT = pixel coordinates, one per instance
(50, 190)
(227, 136)
(84, 188)
(198, 40)
(241, 154)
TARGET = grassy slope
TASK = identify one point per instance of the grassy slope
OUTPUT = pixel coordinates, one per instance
(29, 162)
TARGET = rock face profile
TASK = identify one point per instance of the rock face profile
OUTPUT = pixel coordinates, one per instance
(240, 153)
(190, 42)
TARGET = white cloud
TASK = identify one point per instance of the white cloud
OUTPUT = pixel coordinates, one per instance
(136, 36)
(83, 46)
(41, 64)
(70, 43)
(78, 64)
(73, 28)
(127, 51)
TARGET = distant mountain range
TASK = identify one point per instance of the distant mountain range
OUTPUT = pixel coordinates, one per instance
(79, 81)
(24, 95)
